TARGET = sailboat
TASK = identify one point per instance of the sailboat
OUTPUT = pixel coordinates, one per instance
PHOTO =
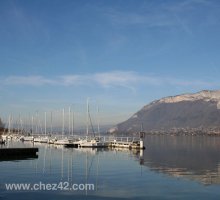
(45, 138)
(27, 138)
(62, 141)
(93, 142)
(51, 139)
(7, 136)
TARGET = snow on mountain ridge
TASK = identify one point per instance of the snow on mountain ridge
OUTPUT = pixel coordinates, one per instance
(205, 95)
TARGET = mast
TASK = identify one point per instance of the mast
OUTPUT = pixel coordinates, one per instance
(98, 120)
(45, 123)
(32, 124)
(9, 124)
(72, 123)
(19, 123)
(63, 122)
(51, 125)
(87, 123)
(69, 118)
(89, 120)
(36, 122)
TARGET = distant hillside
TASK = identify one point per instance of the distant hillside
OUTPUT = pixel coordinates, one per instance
(191, 112)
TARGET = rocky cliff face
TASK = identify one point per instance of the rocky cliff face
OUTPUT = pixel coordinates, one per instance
(188, 111)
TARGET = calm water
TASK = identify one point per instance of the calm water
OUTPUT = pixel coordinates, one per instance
(171, 167)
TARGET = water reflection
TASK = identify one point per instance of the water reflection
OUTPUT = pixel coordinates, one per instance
(192, 157)
(121, 173)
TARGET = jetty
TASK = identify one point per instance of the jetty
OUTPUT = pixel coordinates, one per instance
(18, 153)
(106, 142)
(84, 141)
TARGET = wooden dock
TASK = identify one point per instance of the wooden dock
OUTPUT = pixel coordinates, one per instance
(18, 152)
(106, 141)
(75, 141)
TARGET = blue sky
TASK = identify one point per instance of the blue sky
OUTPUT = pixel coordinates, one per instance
(121, 54)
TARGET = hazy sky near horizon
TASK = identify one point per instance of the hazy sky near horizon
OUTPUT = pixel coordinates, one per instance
(121, 54)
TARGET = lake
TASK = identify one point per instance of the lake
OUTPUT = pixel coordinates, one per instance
(171, 167)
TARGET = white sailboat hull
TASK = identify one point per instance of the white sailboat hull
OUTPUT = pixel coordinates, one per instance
(62, 142)
(91, 144)
(28, 138)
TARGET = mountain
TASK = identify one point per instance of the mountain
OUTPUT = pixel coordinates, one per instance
(182, 113)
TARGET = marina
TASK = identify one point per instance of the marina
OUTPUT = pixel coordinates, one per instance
(89, 139)
(80, 141)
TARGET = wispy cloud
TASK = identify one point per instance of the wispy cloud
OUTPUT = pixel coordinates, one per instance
(148, 19)
(69, 80)
(175, 15)
(121, 78)
(182, 6)
(28, 80)
(189, 83)
(126, 79)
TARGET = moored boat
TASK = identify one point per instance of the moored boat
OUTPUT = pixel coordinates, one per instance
(28, 138)
(62, 141)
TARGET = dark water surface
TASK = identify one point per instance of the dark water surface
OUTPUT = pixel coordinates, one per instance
(171, 167)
